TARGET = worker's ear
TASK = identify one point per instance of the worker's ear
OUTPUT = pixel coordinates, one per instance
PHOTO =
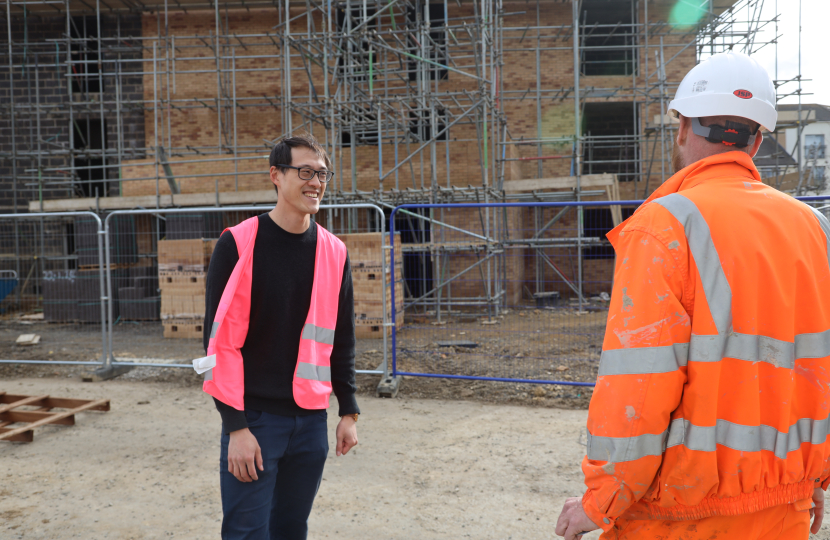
(277, 177)
(683, 130)
(759, 138)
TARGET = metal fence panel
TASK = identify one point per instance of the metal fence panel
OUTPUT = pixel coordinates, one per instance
(158, 261)
(52, 282)
(492, 291)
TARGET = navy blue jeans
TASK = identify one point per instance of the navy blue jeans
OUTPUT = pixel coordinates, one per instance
(275, 507)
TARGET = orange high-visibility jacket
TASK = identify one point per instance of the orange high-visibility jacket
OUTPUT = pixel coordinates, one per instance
(713, 390)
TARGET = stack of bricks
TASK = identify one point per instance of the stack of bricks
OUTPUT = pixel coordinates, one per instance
(139, 299)
(366, 255)
(182, 274)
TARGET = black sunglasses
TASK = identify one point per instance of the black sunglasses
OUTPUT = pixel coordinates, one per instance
(307, 173)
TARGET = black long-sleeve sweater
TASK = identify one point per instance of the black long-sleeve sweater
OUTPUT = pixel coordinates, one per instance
(282, 280)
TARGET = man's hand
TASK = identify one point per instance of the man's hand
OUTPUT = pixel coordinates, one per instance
(817, 512)
(243, 452)
(573, 521)
(346, 435)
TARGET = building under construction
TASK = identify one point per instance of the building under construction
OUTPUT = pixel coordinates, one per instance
(118, 104)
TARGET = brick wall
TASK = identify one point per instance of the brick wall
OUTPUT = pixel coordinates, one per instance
(44, 78)
(197, 126)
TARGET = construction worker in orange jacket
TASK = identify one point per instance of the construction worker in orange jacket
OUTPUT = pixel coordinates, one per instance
(710, 414)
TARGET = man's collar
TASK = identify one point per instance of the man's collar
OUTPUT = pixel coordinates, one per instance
(730, 164)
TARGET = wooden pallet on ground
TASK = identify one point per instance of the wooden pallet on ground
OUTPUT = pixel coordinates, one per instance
(39, 411)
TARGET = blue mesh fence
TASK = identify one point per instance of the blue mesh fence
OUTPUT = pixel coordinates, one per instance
(515, 292)
(504, 291)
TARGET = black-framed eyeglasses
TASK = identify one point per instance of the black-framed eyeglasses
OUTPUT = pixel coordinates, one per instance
(307, 173)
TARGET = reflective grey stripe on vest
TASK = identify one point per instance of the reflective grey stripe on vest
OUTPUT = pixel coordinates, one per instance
(718, 293)
(715, 285)
(209, 375)
(620, 449)
(713, 348)
(665, 359)
(318, 334)
(748, 438)
(643, 360)
(825, 227)
(313, 373)
(738, 437)
(214, 329)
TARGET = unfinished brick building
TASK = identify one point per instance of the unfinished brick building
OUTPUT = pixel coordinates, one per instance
(129, 104)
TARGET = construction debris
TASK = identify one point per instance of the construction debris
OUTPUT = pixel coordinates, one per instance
(28, 339)
(35, 411)
(460, 343)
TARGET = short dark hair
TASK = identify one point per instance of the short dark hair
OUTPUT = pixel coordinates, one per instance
(281, 153)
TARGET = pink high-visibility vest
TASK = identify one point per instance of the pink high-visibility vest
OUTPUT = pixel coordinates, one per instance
(223, 369)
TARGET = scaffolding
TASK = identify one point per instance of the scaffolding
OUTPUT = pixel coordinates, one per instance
(396, 90)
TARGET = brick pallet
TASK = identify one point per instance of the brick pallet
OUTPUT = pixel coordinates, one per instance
(138, 298)
(182, 275)
(183, 328)
(185, 255)
(75, 295)
(367, 259)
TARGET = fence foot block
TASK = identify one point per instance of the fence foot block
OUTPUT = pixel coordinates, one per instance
(106, 373)
(388, 387)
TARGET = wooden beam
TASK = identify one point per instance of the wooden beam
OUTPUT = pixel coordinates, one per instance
(18, 401)
(33, 416)
(561, 182)
(232, 198)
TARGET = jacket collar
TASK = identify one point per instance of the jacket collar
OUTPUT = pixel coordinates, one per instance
(708, 169)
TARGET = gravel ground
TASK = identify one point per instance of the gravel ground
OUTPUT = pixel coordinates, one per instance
(424, 469)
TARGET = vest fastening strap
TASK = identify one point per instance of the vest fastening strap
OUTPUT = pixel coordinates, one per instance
(313, 373)
(318, 334)
(204, 364)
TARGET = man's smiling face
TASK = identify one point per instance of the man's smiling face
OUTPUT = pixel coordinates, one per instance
(300, 195)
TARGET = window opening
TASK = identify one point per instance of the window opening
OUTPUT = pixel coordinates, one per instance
(608, 38)
(90, 177)
(610, 140)
(815, 146)
(597, 222)
(421, 128)
(86, 55)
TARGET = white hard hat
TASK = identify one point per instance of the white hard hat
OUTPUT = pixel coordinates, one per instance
(727, 84)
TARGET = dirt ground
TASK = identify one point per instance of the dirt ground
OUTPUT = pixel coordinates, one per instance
(423, 469)
(446, 459)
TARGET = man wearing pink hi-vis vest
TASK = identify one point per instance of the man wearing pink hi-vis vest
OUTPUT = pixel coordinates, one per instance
(279, 336)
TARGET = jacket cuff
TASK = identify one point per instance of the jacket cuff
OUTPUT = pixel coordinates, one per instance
(600, 520)
(232, 419)
(347, 405)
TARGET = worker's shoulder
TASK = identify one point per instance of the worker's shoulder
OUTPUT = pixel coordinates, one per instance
(651, 218)
(320, 230)
(226, 245)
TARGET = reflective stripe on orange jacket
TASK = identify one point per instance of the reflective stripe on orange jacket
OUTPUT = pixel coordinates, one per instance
(712, 396)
